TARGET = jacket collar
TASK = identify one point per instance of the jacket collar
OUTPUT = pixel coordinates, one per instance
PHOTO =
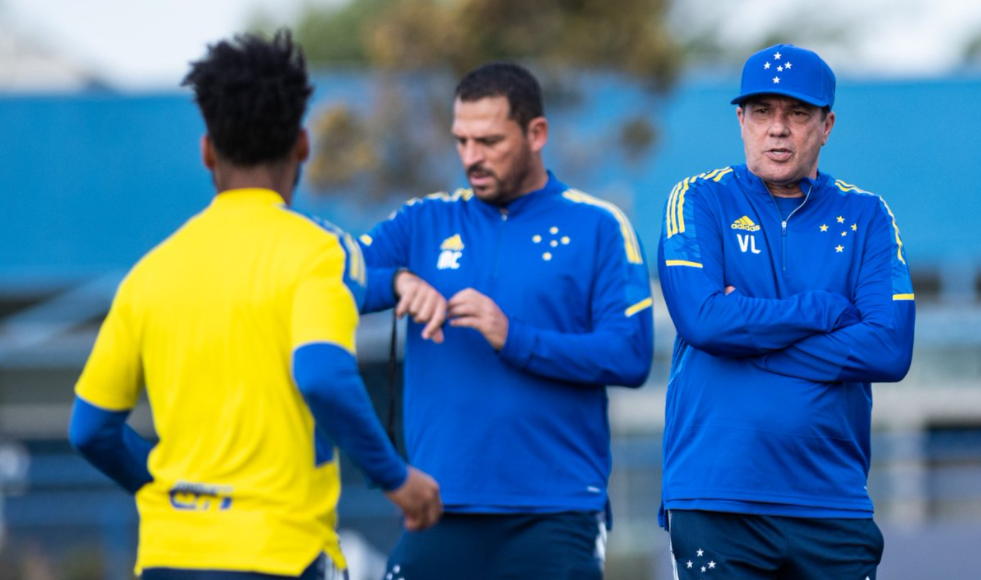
(756, 185)
(247, 196)
(552, 187)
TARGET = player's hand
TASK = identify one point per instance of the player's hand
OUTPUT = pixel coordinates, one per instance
(419, 500)
(471, 309)
(730, 290)
(422, 302)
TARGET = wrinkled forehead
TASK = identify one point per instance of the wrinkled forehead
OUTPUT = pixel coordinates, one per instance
(485, 115)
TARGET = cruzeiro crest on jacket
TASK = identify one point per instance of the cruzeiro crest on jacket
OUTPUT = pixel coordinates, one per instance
(551, 241)
(747, 241)
(451, 250)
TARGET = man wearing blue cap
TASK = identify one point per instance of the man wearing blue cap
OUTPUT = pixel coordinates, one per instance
(791, 294)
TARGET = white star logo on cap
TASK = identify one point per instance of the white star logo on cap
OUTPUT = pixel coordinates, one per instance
(788, 66)
(766, 66)
(776, 80)
(777, 56)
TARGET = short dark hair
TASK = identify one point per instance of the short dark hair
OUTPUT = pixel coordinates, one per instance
(505, 79)
(252, 93)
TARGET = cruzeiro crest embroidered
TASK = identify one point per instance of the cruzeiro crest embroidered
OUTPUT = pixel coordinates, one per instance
(842, 229)
(553, 242)
(450, 254)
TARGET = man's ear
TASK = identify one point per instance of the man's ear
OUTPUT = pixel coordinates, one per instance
(829, 123)
(302, 147)
(537, 133)
(208, 155)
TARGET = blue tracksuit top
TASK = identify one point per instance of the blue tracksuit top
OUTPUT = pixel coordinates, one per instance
(769, 399)
(524, 429)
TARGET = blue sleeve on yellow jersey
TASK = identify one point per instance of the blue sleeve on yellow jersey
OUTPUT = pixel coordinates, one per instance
(328, 378)
(690, 266)
(619, 350)
(108, 443)
(880, 347)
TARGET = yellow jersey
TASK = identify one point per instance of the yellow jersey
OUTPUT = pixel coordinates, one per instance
(207, 321)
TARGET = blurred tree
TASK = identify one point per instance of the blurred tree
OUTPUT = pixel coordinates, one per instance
(421, 47)
(971, 54)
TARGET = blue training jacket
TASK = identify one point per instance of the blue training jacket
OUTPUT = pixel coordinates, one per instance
(769, 399)
(524, 429)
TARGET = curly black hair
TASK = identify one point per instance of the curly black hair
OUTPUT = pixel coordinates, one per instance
(505, 79)
(252, 93)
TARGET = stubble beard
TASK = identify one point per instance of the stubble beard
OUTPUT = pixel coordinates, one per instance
(507, 189)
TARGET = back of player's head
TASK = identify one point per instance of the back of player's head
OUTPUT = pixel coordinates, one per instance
(505, 79)
(252, 93)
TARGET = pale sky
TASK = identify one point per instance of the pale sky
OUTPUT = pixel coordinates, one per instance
(146, 44)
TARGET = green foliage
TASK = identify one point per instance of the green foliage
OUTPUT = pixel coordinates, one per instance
(434, 39)
(336, 35)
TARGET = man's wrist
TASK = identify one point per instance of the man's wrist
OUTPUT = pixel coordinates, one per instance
(398, 271)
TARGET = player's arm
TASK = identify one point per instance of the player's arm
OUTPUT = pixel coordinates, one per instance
(108, 443)
(386, 252)
(390, 283)
(106, 392)
(880, 347)
(327, 376)
(325, 318)
(618, 350)
(691, 269)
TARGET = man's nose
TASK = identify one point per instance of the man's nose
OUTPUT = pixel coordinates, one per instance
(470, 154)
(779, 125)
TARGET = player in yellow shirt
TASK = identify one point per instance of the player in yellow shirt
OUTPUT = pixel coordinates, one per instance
(241, 327)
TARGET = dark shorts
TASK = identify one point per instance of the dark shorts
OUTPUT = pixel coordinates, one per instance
(321, 569)
(709, 545)
(560, 546)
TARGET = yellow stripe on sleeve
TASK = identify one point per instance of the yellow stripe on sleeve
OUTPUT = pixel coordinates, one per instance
(631, 245)
(646, 303)
(895, 227)
(682, 263)
(681, 207)
(722, 174)
(902, 296)
(356, 268)
(669, 213)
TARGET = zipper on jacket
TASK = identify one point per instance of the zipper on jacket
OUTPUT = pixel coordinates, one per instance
(500, 238)
(783, 226)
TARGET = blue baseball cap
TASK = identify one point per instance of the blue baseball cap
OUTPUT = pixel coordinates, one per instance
(785, 69)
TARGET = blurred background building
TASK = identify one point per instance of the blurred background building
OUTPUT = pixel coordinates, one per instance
(99, 162)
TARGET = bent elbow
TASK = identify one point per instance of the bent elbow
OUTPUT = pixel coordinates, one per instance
(635, 376)
(697, 335)
(900, 366)
(82, 438)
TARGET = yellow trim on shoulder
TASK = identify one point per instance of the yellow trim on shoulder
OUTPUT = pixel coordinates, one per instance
(645, 303)
(899, 241)
(675, 218)
(902, 296)
(669, 223)
(680, 223)
(459, 194)
(682, 263)
(631, 245)
(846, 187)
(722, 173)
(356, 265)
